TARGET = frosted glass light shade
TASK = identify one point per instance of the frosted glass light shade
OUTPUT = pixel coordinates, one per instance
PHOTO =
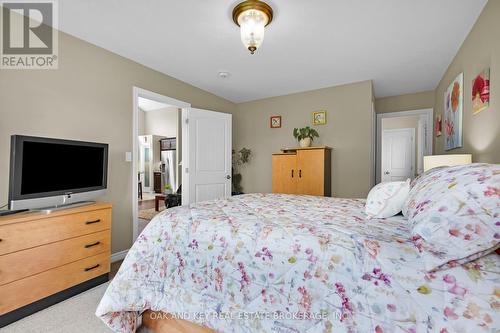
(252, 25)
(435, 161)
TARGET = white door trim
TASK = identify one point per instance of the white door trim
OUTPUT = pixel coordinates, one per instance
(136, 93)
(412, 132)
(426, 115)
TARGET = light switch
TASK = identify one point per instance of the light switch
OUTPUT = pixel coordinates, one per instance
(128, 156)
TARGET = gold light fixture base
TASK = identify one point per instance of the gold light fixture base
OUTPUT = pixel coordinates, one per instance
(252, 4)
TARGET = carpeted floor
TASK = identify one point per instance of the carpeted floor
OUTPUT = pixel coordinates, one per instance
(75, 314)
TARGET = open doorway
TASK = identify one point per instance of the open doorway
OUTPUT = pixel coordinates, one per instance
(403, 139)
(157, 155)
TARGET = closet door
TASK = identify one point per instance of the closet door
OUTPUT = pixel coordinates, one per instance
(311, 172)
(285, 173)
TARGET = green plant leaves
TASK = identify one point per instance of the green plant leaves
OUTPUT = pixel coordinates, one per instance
(305, 132)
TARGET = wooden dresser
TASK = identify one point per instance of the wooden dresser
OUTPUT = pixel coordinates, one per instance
(45, 258)
(303, 171)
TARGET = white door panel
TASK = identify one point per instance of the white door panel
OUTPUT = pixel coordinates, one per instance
(209, 191)
(398, 154)
(208, 167)
(210, 153)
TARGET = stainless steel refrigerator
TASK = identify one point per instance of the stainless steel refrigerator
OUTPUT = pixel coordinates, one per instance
(168, 169)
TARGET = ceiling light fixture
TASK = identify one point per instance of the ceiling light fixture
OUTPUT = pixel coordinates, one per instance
(252, 16)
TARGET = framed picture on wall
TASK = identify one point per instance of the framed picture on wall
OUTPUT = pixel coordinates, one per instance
(275, 122)
(453, 107)
(319, 118)
(481, 92)
(439, 125)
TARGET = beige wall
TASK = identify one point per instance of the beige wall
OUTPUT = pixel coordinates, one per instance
(161, 122)
(88, 98)
(348, 130)
(417, 101)
(481, 49)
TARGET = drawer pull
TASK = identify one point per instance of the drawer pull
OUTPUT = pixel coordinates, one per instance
(91, 245)
(92, 222)
(91, 268)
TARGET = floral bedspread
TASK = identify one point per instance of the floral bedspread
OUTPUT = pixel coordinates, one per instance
(286, 263)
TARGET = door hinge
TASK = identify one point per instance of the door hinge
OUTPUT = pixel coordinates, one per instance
(187, 170)
(187, 120)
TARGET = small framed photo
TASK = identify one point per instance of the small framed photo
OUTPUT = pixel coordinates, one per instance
(319, 118)
(275, 121)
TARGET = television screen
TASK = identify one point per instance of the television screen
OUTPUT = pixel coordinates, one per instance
(46, 167)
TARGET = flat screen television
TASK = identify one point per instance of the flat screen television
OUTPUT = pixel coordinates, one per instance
(52, 172)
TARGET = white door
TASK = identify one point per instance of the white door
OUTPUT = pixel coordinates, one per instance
(398, 154)
(207, 164)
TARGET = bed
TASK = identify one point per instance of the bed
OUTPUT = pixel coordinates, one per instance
(290, 263)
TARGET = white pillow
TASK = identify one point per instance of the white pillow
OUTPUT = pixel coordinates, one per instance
(387, 199)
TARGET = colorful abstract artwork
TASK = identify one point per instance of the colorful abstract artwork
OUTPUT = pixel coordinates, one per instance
(439, 125)
(453, 108)
(481, 92)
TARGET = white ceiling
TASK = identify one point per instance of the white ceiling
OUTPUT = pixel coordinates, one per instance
(150, 105)
(403, 45)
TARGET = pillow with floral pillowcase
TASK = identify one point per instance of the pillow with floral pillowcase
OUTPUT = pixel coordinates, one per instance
(455, 214)
(386, 199)
(416, 186)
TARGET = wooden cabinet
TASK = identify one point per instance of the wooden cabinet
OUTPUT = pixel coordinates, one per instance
(157, 182)
(302, 171)
(45, 258)
(285, 174)
(168, 144)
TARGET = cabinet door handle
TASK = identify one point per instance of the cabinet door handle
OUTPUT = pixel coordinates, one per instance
(91, 268)
(91, 245)
(300, 173)
(292, 173)
(92, 222)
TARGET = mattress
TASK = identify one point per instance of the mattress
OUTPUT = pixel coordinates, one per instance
(288, 263)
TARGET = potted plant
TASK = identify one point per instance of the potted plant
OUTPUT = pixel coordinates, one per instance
(239, 158)
(305, 135)
(168, 189)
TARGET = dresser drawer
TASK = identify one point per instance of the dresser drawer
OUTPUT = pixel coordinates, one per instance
(45, 257)
(25, 291)
(25, 235)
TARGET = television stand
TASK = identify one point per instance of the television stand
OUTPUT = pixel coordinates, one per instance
(48, 210)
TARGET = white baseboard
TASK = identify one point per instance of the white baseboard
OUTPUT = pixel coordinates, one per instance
(119, 256)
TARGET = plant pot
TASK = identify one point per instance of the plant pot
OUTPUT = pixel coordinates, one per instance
(306, 142)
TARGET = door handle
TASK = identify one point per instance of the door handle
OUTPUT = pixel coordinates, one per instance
(228, 177)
